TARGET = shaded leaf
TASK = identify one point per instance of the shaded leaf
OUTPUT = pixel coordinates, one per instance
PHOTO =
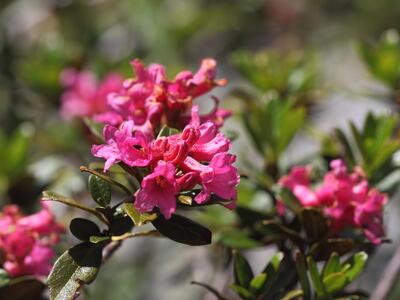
(183, 230)
(83, 228)
(100, 190)
(242, 271)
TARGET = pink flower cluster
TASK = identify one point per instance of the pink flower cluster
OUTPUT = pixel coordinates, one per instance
(195, 157)
(149, 98)
(26, 241)
(84, 96)
(345, 197)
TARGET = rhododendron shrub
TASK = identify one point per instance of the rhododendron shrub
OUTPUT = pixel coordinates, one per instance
(168, 153)
(27, 241)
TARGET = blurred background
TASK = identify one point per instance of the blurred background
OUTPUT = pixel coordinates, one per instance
(308, 47)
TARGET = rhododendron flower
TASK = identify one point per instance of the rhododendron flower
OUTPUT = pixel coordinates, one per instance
(196, 156)
(346, 198)
(159, 189)
(27, 241)
(149, 97)
(85, 97)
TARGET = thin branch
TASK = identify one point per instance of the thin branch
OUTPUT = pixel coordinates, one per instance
(106, 178)
(154, 233)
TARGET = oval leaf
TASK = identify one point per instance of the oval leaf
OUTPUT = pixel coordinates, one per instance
(100, 190)
(183, 230)
(67, 276)
(83, 229)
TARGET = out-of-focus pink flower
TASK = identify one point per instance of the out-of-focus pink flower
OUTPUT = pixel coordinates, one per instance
(298, 181)
(27, 241)
(149, 97)
(85, 97)
(346, 198)
(159, 189)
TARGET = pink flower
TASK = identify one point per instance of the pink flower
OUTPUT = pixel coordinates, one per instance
(298, 181)
(126, 144)
(159, 189)
(346, 198)
(220, 178)
(27, 241)
(85, 97)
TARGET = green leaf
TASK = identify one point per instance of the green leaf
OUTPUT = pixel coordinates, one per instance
(295, 294)
(302, 273)
(167, 131)
(83, 228)
(314, 223)
(242, 271)
(271, 270)
(137, 218)
(87, 254)
(332, 265)
(257, 283)
(120, 225)
(315, 277)
(98, 239)
(357, 263)
(100, 190)
(243, 292)
(183, 230)
(334, 282)
(67, 277)
(4, 277)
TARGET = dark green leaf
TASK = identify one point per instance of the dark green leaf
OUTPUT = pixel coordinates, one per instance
(83, 228)
(67, 277)
(100, 190)
(121, 225)
(87, 254)
(242, 270)
(315, 277)
(302, 273)
(183, 230)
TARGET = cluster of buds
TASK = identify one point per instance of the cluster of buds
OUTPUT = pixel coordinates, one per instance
(26, 242)
(346, 198)
(149, 98)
